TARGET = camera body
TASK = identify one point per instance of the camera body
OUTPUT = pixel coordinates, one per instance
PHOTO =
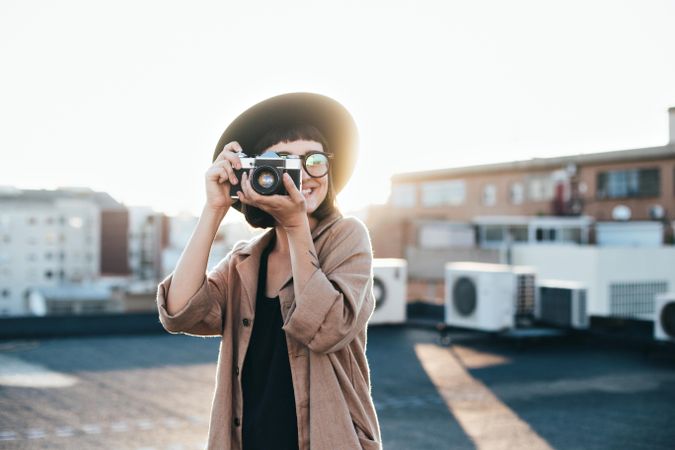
(265, 173)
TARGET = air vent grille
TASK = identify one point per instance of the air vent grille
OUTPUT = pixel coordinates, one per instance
(556, 306)
(525, 295)
(635, 299)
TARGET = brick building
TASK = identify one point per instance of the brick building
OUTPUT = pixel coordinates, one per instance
(451, 214)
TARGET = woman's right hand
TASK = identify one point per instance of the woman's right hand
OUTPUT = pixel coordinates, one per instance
(220, 176)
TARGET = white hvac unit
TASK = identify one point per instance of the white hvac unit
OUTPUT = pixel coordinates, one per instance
(621, 281)
(664, 319)
(389, 287)
(562, 304)
(489, 297)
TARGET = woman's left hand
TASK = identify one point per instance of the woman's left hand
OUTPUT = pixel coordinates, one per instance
(289, 211)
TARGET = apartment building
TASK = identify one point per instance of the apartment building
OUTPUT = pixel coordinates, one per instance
(76, 251)
(148, 235)
(467, 213)
(50, 239)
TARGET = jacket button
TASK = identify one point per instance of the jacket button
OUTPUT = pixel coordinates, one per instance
(237, 422)
(236, 370)
(246, 322)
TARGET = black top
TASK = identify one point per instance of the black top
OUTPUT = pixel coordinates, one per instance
(269, 419)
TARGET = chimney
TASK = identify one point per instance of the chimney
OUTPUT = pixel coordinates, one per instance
(671, 118)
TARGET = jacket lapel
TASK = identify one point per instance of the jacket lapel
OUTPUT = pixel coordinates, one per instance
(249, 266)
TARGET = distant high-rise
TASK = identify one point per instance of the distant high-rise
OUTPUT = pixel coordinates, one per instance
(53, 237)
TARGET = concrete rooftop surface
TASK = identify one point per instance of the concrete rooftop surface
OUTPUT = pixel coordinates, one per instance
(154, 392)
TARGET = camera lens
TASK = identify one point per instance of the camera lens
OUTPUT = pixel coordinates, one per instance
(265, 180)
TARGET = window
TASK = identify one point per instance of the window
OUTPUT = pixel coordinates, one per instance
(518, 233)
(404, 195)
(75, 222)
(446, 235)
(494, 233)
(489, 195)
(442, 193)
(633, 183)
(545, 234)
(540, 188)
(517, 193)
(571, 235)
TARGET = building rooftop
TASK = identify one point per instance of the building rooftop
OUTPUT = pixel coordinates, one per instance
(102, 199)
(535, 220)
(639, 154)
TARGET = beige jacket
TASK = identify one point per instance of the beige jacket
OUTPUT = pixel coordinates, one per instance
(325, 332)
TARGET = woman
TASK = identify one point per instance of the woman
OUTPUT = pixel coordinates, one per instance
(292, 305)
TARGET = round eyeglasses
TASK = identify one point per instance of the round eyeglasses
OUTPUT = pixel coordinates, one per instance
(316, 163)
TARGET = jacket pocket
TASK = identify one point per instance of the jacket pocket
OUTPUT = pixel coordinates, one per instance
(367, 442)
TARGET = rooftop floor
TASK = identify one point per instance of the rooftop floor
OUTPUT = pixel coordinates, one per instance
(154, 392)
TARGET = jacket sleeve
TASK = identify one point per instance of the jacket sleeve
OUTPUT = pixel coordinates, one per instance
(337, 301)
(202, 315)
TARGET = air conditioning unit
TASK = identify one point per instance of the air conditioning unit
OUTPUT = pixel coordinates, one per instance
(390, 277)
(562, 304)
(664, 319)
(489, 297)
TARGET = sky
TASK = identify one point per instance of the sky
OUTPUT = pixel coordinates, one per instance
(131, 97)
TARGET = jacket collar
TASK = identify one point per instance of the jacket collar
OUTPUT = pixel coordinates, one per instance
(248, 267)
(257, 244)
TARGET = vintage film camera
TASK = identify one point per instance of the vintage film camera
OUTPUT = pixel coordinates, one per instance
(265, 173)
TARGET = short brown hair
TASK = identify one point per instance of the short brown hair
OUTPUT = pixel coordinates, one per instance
(300, 132)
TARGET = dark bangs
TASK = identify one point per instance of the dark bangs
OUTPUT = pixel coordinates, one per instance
(300, 132)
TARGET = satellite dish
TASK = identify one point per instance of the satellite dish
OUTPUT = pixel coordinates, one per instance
(621, 212)
(656, 212)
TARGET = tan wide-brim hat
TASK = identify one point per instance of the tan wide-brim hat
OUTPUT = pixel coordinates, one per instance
(326, 114)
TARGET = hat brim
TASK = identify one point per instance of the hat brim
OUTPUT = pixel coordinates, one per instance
(327, 115)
